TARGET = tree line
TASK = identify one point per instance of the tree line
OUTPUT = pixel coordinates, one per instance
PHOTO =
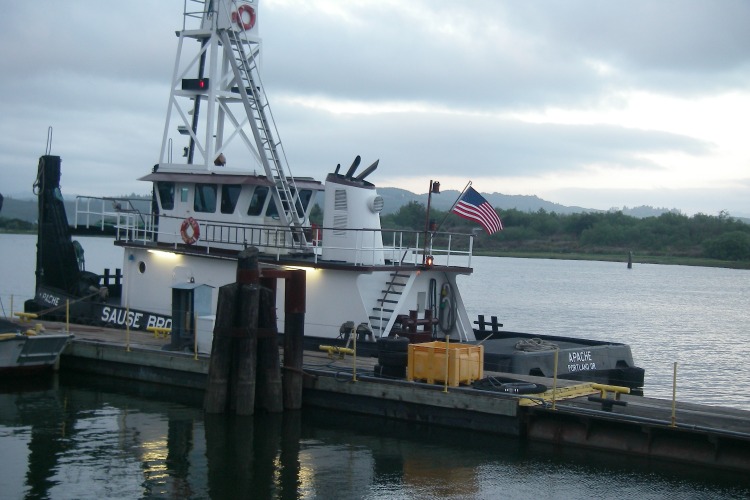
(671, 234)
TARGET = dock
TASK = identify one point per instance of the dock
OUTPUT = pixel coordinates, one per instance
(575, 415)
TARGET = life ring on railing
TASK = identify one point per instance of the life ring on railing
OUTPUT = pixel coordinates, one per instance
(190, 231)
(238, 17)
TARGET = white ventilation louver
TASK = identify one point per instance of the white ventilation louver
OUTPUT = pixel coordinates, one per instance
(376, 204)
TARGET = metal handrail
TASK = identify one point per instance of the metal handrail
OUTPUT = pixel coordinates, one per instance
(132, 224)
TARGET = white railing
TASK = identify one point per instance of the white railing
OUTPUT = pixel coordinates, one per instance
(131, 221)
(126, 216)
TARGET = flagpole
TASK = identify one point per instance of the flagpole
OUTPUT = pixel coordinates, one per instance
(427, 218)
(468, 185)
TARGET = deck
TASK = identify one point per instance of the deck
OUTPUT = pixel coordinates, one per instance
(573, 416)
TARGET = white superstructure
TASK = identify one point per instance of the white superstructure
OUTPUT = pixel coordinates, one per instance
(229, 187)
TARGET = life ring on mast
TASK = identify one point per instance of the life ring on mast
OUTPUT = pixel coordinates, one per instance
(190, 231)
(239, 18)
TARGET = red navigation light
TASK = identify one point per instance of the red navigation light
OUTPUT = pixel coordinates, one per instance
(195, 84)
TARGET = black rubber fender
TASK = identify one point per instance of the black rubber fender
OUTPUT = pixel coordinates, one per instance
(389, 371)
(390, 358)
(393, 344)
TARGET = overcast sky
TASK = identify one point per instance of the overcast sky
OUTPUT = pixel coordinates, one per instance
(589, 103)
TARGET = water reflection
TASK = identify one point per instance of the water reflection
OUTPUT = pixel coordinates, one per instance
(253, 456)
(82, 437)
(37, 417)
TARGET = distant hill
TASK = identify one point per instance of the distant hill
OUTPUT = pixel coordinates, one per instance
(26, 209)
(394, 198)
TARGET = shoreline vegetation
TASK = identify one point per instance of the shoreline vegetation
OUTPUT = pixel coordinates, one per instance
(669, 239)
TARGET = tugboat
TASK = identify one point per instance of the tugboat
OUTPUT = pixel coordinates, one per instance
(231, 189)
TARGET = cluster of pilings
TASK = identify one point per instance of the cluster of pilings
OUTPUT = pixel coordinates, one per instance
(244, 370)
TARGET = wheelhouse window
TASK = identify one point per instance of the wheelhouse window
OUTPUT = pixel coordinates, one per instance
(205, 198)
(166, 194)
(272, 211)
(258, 200)
(304, 198)
(230, 193)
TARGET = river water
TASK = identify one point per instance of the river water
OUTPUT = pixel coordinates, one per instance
(71, 436)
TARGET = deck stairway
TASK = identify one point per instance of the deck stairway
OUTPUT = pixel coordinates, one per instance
(393, 294)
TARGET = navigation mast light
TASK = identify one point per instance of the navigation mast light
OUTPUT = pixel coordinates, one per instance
(195, 84)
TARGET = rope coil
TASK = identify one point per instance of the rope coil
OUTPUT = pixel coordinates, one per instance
(536, 344)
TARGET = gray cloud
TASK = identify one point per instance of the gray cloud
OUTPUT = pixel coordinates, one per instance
(428, 142)
(99, 74)
(510, 54)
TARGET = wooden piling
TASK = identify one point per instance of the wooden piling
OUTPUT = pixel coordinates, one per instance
(247, 339)
(245, 351)
(232, 367)
(269, 388)
(219, 366)
(294, 321)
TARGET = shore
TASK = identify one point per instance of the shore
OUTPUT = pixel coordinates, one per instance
(637, 258)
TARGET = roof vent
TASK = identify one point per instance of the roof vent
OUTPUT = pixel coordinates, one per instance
(376, 204)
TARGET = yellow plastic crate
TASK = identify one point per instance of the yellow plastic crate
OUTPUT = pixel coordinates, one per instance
(427, 362)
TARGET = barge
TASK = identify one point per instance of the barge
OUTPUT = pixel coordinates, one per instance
(24, 352)
(572, 415)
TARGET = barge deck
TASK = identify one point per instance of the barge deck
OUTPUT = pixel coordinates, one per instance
(575, 417)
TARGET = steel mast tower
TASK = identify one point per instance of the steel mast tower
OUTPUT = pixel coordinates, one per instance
(217, 103)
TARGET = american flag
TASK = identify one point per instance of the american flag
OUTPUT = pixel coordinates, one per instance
(473, 206)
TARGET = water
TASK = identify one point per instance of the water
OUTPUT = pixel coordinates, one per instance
(698, 317)
(76, 436)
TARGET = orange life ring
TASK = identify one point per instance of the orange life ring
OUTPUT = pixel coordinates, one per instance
(195, 231)
(239, 18)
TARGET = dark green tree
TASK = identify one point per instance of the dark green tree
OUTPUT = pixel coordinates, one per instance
(734, 245)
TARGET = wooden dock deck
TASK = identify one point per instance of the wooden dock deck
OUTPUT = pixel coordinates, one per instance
(641, 426)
